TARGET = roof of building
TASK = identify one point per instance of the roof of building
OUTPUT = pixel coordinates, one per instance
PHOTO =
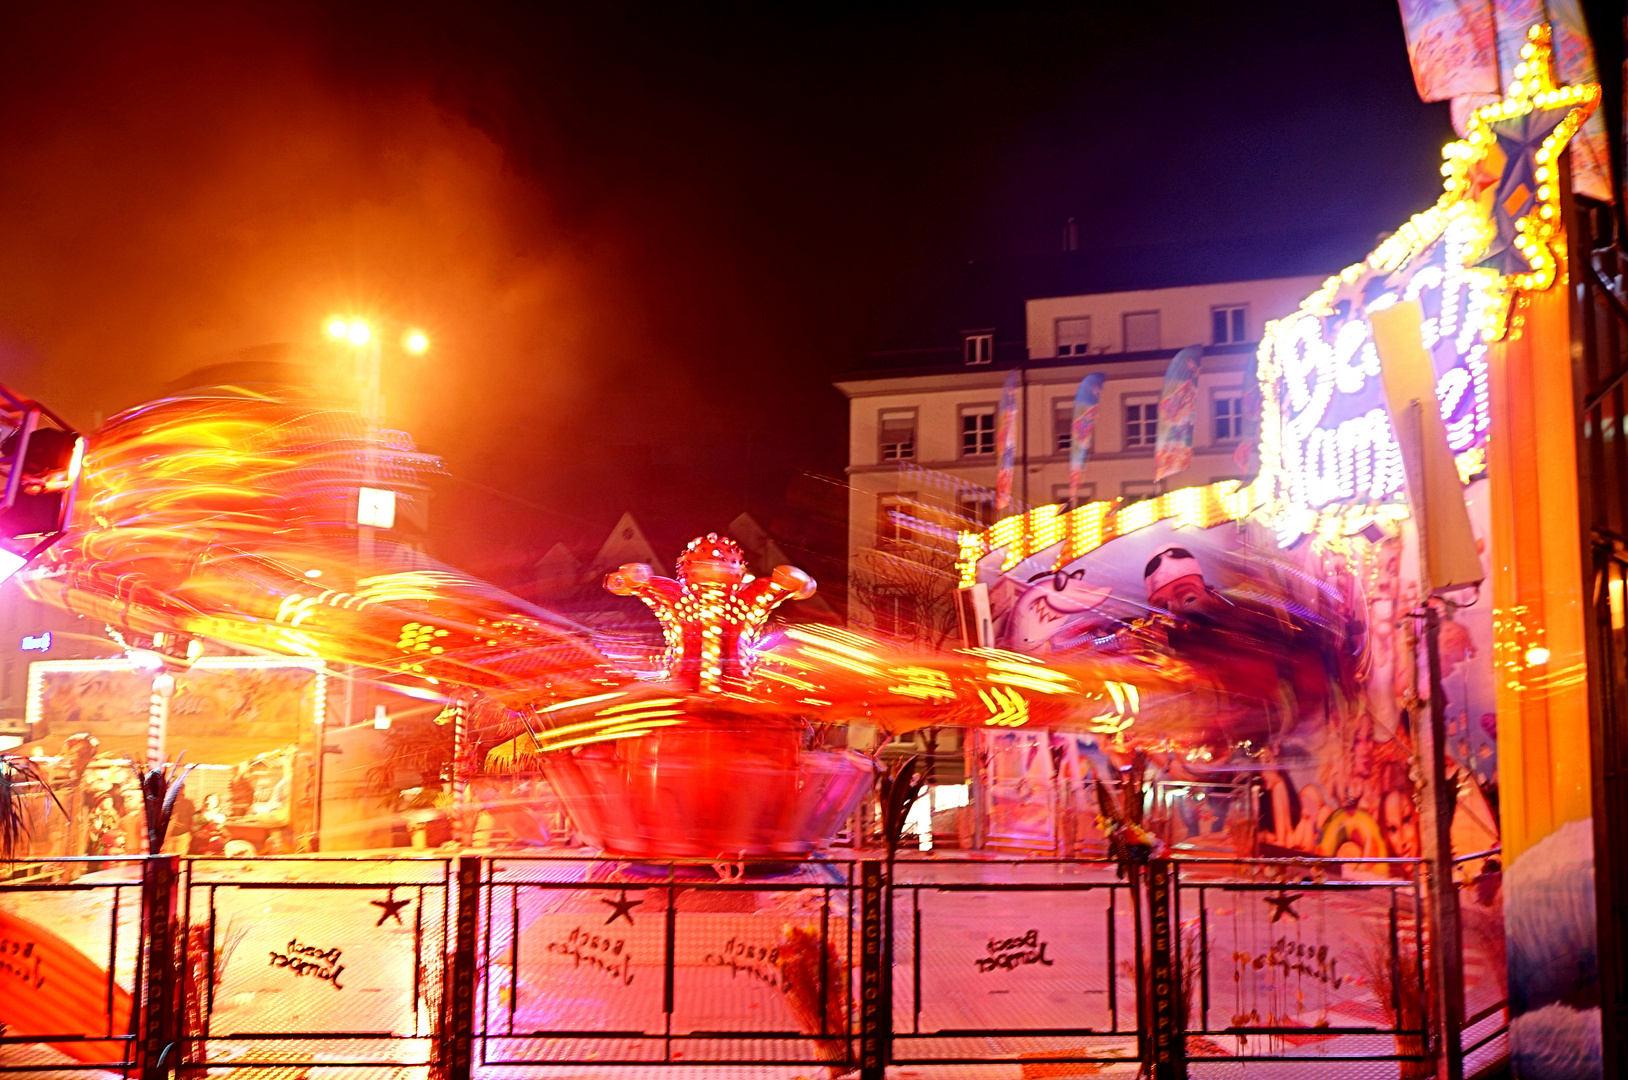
(949, 362)
(989, 294)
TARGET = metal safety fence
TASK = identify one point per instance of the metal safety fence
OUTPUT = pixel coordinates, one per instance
(1318, 964)
(597, 962)
(311, 962)
(1032, 962)
(500, 965)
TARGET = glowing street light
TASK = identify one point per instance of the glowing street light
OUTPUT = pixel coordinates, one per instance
(375, 505)
(355, 331)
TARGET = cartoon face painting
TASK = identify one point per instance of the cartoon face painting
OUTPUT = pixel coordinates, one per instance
(1052, 610)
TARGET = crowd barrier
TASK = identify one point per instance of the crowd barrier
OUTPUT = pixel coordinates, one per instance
(451, 967)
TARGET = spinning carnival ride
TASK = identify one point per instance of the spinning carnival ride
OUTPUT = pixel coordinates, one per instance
(226, 515)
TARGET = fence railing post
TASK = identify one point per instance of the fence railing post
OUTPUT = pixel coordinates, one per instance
(1167, 1046)
(875, 967)
(458, 1038)
(157, 1019)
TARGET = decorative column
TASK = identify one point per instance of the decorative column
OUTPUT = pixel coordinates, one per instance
(1542, 683)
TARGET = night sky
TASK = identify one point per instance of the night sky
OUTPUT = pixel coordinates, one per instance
(642, 239)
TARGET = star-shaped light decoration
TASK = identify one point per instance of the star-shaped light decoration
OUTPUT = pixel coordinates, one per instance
(1507, 166)
(622, 908)
(390, 908)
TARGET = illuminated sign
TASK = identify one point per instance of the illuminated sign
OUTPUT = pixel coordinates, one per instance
(1329, 460)
(37, 642)
(376, 507)
(1326, 434)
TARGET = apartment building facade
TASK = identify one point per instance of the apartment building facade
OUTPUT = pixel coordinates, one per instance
(922, 432)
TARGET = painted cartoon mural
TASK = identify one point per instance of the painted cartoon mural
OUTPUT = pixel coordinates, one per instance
(1307, 656)
(225, 709)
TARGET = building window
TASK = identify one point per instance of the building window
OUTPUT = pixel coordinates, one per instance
(1059, 493)
(977, 430)
(1141, 423)
(896, 434)
(978, 348)
(1135, 490)
(894, 610)
(1062, 425)
(1228, 406)
(1142, 331)
(977, 507)
(892, 515)
(1074, 336)
(1227, 325)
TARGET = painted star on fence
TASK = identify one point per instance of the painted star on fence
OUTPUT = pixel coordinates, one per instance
(391, 908)
(623, 908)
(1283, 904)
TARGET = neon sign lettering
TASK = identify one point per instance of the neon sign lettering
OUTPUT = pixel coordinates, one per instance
(1329, 459)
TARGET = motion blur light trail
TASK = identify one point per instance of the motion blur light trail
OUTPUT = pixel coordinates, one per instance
(229, 515)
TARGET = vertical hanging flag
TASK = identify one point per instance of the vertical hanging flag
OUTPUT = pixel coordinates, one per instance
(1178, 406)
(1006, 438)
(1452, 46)
(1080, 431)
(1574, 63)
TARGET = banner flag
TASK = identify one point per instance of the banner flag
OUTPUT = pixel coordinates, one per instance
(1178, 406)
(1574, 64)
(1452, 46)
(1080, 431)
(1006, 439)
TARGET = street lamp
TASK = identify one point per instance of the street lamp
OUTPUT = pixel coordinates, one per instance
(375, 505)
(359, 333)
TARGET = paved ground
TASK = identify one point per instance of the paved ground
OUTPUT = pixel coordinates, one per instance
(576, 948)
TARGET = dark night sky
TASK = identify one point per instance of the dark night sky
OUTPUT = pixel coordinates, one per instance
(642, 238)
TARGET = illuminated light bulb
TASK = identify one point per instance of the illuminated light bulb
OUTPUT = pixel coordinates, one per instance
(1536, 655)
(417, 342)
(358, 333)
(337, 328)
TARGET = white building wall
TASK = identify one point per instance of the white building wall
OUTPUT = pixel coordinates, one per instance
(1184, 313)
